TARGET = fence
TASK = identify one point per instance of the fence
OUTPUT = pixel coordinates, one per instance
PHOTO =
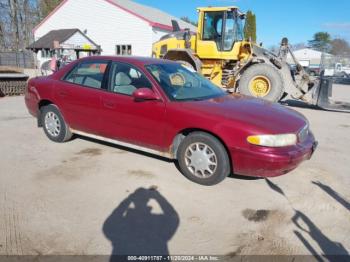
(24, 59)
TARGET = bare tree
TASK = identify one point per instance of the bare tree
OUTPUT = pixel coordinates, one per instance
(340, 47)
(30, 18)
(13, 5)
(4, 21)
(2, 37)
(17, 19)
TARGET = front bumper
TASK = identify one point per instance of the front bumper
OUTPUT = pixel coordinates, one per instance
(260, 161)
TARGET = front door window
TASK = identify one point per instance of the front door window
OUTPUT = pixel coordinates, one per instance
(212, 28)
(125, 79)
(224, 28)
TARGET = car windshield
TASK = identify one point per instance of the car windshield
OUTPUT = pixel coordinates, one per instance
(183, 84)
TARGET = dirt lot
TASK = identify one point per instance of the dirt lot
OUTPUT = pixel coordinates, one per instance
(73, 198)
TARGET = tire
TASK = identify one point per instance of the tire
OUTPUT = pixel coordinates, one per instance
(54, 125)
(264, 71)
(215, 152)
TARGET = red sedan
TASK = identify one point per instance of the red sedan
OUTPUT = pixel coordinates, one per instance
(163, 108)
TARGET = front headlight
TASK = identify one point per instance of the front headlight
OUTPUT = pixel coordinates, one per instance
(273, 140)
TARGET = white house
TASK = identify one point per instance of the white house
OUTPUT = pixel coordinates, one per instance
(117, 26)
(307, 57)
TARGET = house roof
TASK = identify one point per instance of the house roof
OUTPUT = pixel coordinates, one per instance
(307, 50)
(153, 16)
(46, 41)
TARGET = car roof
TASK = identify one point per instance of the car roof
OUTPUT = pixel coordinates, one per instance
(137, 60)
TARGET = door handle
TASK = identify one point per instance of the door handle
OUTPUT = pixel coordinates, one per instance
(109, 105)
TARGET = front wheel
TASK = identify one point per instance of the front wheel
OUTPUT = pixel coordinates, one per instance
(203, 159)
(263, 81)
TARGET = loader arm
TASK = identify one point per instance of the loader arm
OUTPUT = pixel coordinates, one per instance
(316, 92)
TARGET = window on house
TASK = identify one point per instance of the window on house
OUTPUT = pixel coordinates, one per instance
(123, 50)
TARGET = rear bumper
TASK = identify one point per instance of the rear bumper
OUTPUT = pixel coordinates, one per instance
(269, 162)
(31, 104)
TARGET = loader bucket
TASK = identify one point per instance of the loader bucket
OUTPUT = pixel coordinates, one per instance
(325, 98)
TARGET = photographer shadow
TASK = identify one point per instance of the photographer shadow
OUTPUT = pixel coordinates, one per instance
(134, 230)
(330, 249)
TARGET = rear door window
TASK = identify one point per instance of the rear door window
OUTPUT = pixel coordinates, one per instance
(88, 74)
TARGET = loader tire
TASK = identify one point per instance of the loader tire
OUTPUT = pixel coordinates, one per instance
(263, 81)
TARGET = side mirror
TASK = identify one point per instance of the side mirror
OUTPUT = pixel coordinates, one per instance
(143, 94)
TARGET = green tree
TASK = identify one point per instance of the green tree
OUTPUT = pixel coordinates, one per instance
(250, 26)
(321, 41)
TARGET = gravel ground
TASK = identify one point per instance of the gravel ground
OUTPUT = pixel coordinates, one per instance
(88, 197)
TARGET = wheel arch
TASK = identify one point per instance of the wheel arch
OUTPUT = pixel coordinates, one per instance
(42, 103)
(261, 60)
(185, 132)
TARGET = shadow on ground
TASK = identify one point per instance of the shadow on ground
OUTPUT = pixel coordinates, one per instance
(299, 104)
(134, 229)
(333, 194)
(329, 248)
(308, 229)
(127, 149)
(239, 177)
(131, 150)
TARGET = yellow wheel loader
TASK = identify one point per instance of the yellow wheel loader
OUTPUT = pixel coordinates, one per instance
(219, 51)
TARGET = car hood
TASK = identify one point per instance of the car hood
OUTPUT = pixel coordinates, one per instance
(260, 115)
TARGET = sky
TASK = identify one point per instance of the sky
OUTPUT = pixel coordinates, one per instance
(296, 19)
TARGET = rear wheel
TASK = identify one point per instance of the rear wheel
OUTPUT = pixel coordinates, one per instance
(54, 125)
(203, 159)
(262, 80)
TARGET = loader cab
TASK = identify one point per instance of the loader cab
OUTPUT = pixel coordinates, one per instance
(219, 29)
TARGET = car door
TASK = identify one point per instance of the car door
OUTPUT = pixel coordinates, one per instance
(123, 118)
(78, 95)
